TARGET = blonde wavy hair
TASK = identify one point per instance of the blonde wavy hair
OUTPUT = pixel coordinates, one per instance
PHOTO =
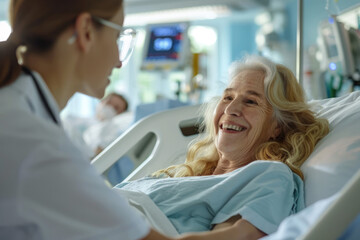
(300, 128)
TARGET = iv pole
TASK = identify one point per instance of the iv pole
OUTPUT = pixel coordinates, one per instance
(299, 43)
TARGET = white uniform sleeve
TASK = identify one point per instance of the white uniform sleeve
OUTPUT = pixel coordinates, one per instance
(66, 198)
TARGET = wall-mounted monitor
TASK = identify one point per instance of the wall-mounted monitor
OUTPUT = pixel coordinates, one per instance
(166, 46)
(336, 47)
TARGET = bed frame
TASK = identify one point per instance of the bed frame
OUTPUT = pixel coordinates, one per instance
(163, 136)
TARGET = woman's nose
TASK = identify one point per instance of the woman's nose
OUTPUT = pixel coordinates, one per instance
(119, 64)
(234, 108)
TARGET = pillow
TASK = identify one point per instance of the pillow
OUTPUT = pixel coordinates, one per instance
(336, 157)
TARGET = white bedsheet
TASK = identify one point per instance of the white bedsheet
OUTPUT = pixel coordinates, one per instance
(298, 224)
(155, 217)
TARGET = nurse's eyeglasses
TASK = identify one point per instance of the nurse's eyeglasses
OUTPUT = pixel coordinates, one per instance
(125, 41)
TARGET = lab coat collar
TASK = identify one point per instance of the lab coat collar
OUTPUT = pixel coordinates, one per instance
(37, 104)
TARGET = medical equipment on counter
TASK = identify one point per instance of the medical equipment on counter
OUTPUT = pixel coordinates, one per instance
(333, 163)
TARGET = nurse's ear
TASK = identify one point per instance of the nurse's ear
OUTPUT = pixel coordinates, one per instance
(84, 31)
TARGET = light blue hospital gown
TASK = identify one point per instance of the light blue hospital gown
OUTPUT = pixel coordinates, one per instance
(263, 193)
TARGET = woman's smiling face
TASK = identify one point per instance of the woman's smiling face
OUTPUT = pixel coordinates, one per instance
(243, 117)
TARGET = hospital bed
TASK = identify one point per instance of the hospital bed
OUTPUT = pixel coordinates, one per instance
(161, 139)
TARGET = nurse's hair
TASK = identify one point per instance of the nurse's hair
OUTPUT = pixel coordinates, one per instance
(300, 129)
(37, 25)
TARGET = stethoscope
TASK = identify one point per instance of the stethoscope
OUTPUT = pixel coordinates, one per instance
(41, 94)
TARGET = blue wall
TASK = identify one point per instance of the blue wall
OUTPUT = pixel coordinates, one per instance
(291, 24)
(242, 35)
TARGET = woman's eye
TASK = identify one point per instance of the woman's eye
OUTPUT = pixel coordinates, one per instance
(249, 101)
(227, 98)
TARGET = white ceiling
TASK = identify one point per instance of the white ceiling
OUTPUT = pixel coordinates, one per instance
(138, 6)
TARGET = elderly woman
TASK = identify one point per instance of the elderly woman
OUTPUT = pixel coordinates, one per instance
(246, 166)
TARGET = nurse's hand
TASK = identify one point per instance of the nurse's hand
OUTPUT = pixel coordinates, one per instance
(154, 235)
(238, 230)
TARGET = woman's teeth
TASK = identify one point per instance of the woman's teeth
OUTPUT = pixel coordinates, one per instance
(232, 127)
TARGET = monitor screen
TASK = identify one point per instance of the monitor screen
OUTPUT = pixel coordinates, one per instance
(165, 45)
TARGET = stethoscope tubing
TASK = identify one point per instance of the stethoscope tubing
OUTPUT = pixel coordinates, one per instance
(41, 94)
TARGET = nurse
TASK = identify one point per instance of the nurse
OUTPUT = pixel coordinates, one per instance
(48, 188)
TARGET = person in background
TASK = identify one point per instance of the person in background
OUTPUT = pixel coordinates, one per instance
(49, 189)
(112, 119)
(93, 133)
(110, 106)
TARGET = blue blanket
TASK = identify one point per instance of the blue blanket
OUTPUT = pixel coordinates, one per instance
(263, 193)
